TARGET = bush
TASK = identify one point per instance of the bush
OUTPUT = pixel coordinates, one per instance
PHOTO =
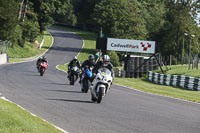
(17, 37)
(30, 30)
(114, 58)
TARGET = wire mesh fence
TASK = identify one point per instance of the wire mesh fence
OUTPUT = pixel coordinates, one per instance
(175, 60)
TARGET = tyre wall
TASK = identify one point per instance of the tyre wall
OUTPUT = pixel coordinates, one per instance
(182, 81)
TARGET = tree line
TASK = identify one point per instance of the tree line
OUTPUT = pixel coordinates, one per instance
(163, 21)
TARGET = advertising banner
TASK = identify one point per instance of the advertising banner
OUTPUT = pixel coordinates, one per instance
(126, 45)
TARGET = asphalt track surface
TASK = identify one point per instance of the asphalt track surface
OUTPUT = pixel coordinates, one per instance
(122, 110)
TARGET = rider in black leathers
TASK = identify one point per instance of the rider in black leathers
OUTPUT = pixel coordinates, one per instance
(87, 63)
(72, 63)
(41, 59)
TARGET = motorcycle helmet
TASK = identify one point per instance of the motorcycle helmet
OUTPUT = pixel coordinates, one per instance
(91, 58)
(106, 58)
(75, 59)
(43, 57)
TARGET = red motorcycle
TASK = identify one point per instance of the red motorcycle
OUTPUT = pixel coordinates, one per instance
(42, 68)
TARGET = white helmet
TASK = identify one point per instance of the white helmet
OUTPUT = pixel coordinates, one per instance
(106, 58)
(75, 58)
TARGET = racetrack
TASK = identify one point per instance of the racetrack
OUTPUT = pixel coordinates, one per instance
(122, 110)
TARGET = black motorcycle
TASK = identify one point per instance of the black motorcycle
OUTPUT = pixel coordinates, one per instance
(73, 75)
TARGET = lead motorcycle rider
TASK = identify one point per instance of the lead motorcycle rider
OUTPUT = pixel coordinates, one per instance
(104, 63)
(74, 62)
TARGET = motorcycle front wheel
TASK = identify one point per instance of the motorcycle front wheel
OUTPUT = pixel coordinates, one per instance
(85, 86)
(72, 80)
(100, 95)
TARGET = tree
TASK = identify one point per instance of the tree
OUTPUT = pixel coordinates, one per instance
(44, 10)
(180, 19)
(9, 20)
(30, 30)
(154, 12)
(119, 19)
(65, 13)
(83, 10)
(114, 58)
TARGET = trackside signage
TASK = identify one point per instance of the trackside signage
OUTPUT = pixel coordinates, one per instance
(131, 45)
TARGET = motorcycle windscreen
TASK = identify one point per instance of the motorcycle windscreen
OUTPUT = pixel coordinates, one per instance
(105, 71)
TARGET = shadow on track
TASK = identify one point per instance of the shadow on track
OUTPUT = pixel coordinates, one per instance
(68, 100)
(58, 84)
(67, 49)
(66, 91)
(38, 75)
(66, 35)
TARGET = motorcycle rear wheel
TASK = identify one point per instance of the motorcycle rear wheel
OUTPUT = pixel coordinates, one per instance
(41, 71)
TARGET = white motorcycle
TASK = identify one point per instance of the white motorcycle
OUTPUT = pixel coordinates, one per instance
(101, 84)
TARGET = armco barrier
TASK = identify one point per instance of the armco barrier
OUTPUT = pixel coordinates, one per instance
(175, 80)
(3, 59)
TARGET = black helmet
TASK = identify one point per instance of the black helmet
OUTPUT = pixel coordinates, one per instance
(43, 57)
(91, 58)
(75, 58)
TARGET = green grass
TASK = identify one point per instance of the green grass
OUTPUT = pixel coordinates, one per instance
(63, 67)
(15, 120)
(17, 53)
(181, 70)
(142, 83)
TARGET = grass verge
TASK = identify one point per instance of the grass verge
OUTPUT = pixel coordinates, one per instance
(142, 83)
(181, 70)
(19, 54)
(15, 120)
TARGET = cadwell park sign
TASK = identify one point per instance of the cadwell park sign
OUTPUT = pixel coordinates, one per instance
(134, 66)
(126, 45)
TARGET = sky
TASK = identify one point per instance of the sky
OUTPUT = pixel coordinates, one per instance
(198, 17)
